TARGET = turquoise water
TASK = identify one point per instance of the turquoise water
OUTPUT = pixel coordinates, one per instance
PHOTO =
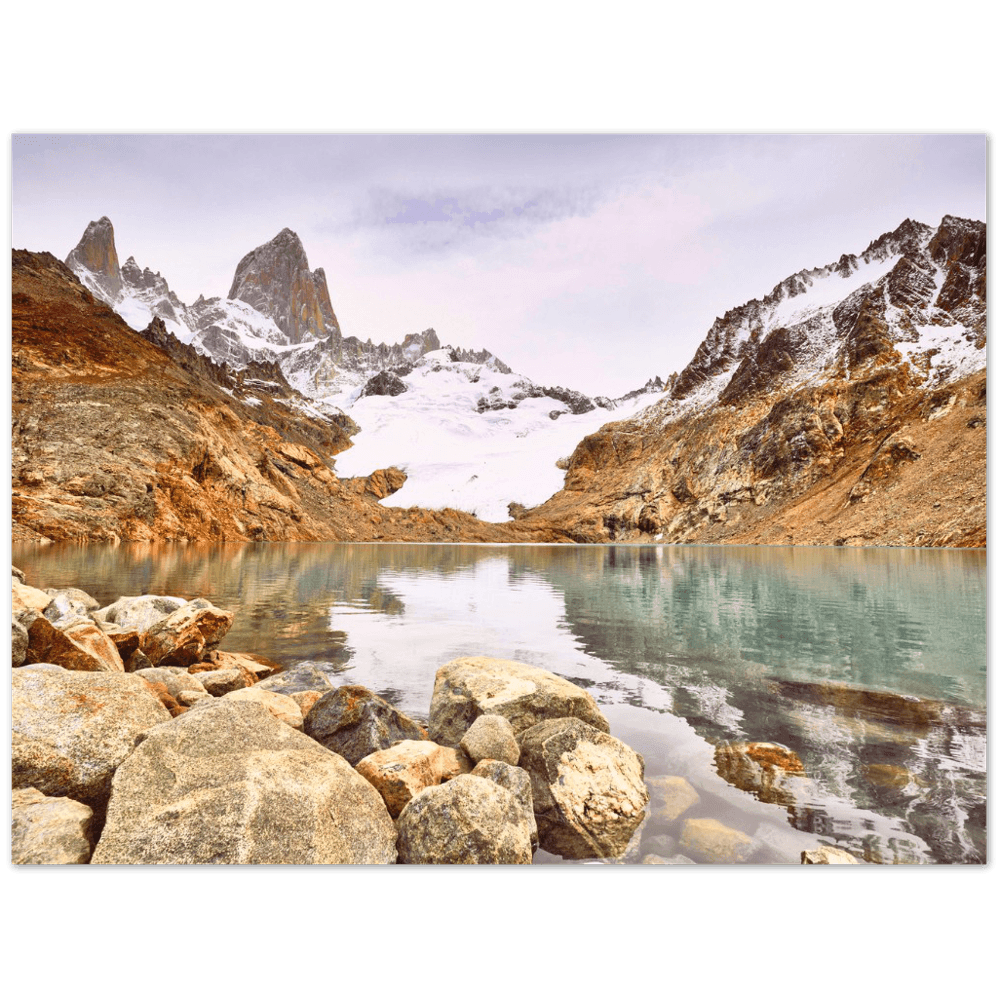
(870, 664)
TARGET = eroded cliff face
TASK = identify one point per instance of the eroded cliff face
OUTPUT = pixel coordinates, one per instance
(114, 438)
(808, 417)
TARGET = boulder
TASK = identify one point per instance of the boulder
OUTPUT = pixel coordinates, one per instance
(70, 729)
(23, 596)
(182, 686)
(828, 856)
(49, 830)
(138, 661)
(466, 821)
(524, 695)
(235, 665)
(305, 700)
(18, 642)
(259, 667)
(356, 722)
(279, 705)
(711, 841)
(167, 700)
(139, 613)
(491, 737)
(587, 787)
(673, 859)
(229, 784)
(221, 682)
(405, 769)
(670, 797)
(517, 781)
(126, 640)
(302, 677)
(17, 574)
(187, 634)
(78, 645)
(763, 769)
(67, 602)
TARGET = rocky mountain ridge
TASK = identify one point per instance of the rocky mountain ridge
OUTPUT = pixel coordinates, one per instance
(277, 311)
(848, 406)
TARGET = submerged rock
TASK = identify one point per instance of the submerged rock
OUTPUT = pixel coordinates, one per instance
(711, 841)
(467, 688)
(671, 797)
(763, 769)
(230, 784)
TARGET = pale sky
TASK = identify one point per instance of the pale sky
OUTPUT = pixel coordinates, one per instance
(594, 262)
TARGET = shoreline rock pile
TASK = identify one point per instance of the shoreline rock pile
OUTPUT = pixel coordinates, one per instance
(136, 740)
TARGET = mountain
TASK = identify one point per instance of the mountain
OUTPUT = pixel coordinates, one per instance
(454, 434)
(96, 257)
(275, 279)
(847, 407)
(277, 310)
(125, 435)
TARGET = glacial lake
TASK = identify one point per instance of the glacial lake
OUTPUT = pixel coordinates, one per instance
(869, 664)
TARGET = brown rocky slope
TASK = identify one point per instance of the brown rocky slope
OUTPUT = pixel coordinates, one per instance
(869, 463)
(820, 420)
(115, 439)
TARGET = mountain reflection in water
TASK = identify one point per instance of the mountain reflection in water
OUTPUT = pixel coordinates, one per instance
(868, 664)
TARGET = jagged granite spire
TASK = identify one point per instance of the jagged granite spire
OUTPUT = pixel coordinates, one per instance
(275, 279)
(96, 254)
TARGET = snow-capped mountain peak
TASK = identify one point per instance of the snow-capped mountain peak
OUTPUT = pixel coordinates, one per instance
(916, 291)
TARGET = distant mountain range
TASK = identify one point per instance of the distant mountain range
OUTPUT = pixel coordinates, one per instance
(277, 310)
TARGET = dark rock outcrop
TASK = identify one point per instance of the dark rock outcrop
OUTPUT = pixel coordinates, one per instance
(384, 384)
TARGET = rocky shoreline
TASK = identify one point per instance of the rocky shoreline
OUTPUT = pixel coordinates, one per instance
(136, 740)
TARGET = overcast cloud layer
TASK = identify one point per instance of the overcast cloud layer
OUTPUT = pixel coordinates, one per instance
(591, 261)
